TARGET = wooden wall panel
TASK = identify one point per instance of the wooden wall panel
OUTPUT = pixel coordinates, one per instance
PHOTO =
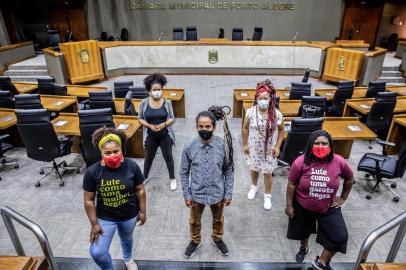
(77, 70)
(350, 69)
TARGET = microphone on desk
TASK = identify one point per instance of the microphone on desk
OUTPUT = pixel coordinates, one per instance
(160, 36)
(295, 36)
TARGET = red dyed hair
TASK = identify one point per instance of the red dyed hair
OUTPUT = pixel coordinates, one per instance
(267, 86)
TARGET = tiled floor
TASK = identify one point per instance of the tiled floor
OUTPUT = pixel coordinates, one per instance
(253, 235)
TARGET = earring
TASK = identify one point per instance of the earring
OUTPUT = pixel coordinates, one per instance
(102, 163)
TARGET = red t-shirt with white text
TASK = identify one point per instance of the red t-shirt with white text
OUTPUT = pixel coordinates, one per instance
(318, 183)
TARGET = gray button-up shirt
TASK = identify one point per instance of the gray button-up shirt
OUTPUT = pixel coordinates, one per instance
(208, 184)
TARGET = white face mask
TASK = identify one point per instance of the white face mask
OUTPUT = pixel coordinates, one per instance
(156, 94)
(263, 104)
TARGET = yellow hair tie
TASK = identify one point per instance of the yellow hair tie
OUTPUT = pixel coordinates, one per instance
(109, 137)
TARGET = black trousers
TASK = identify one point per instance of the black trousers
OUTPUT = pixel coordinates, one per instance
(330, 227)
(151, 146)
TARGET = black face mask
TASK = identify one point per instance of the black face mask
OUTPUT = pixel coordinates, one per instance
(205, 134)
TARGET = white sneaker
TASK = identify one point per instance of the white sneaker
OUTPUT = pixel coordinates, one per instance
(131, 265)
(267, 202)
(172, 184)
(252, 192)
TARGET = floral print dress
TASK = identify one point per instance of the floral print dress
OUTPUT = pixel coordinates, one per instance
(256, 159)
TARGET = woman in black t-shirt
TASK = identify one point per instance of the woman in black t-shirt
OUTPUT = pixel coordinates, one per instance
(117, 184)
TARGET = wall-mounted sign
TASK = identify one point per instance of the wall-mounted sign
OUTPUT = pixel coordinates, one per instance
(210, 5)
(213, 56)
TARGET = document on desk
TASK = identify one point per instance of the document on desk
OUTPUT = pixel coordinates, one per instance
(59, 103)
(329, 94)
(173, 94)
(123, 126)
(365, 106)
(244, 94)
(286, 94)
(6, 118)
(60, 123)
(354, 128)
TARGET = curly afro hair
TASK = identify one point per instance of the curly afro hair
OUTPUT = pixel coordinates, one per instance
(153, 79)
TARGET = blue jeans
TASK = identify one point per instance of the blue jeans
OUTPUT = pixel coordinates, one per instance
(100, 251)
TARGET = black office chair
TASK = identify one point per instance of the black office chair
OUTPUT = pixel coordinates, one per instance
(257, 36)
(375, 87)
(124, 34)
(42, 143)
(221, 33)
(386, 97)
(121, 88)
(5, 84)
(191, 33)
(312, 107)
(237, 34)
(110, 38)
(6, 100)
(306, 76)
(299, 90)
(300, 130)
(346, 84)
(60, 90)
(89, 121)
(28, 101)
(101, 100)
(382, 166)
(129, 108)
(344, 91)
(46, 86)
(103, 36)
(177, 33)
(4, 147)
(139, 91)
(54, 39)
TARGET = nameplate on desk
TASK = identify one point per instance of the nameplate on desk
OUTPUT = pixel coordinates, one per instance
(287, 126)
(329, 94)
(286, 94)
(59, 103)
(6, 118)
(365, 106)
(123, 126)
(244, 94)
(173, 94)
(60, 123)
(354, 128)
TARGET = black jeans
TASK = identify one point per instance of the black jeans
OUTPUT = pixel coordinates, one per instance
(151, 146)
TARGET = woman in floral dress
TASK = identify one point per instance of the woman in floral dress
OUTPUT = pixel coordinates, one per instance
(262, 136)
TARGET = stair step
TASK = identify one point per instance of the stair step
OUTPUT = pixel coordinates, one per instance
(26, 72)
(391, 74)
(29, 67)
(390, 68)
(28, 78)
(392, 79)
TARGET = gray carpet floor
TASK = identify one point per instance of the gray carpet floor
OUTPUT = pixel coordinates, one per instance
(251, 233)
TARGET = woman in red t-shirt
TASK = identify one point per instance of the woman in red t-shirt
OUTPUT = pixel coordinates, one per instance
(314, 179)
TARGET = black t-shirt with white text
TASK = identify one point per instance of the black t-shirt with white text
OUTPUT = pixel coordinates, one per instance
(115, 189)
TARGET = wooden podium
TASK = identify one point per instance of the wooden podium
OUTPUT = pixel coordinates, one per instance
(342, 64)
(82, 61)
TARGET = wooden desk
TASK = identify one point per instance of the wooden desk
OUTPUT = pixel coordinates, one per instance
(397, 133)
(356, 104)
(177, 97)
(23, 263)
(329, 93)
(240, 95)
(59, 103)
(289, 108)
(134, 145)
(119, 104)
(382, 266)
(25, 88)
(7, 118)
(83, 91)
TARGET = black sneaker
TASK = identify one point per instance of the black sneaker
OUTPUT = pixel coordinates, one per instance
(191, 249)
(318, 266)
(301, 254)
(222, 247)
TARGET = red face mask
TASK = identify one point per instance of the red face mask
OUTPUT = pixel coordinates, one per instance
(113, 161)
(321, 151)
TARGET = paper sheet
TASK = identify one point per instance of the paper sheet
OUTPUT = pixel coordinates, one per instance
(123, 126)
(6, 118)
(60, 123)
(59, 103)
(173, 94)
(244, 94)
(354, 128)
(365, 106)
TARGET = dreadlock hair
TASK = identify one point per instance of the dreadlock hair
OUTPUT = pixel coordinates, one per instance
(153, 79)
(271, 120)
(99, 133)
(216, 113)
(308, 155)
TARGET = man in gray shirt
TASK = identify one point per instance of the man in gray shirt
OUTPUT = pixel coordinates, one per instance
(211, 181)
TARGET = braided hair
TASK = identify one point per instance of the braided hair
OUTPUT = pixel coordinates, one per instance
(271, 123)
(308, 155)
(216, 113)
